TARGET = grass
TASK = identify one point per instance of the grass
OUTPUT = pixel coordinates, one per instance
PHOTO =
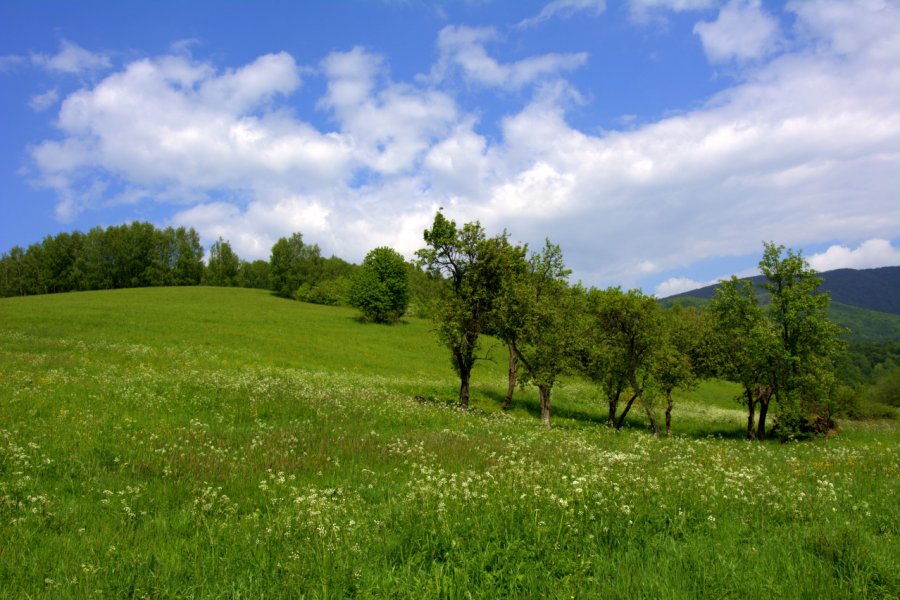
(203, 442)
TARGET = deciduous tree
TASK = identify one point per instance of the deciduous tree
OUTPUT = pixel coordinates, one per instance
(380, 288)
(464, 258)
(624, 331)
(548, 331)
(747, 348)
(803, 369)
(223, 266)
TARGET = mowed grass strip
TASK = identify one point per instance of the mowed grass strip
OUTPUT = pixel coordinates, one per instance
(202, 442)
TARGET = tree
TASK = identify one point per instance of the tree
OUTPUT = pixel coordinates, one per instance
(294, 264)
(464, 258)
(223, 266)
(12, 273)
(254, 274)
(803, 368)
(547, 332)
(380, 289)
(511, 304)
(886, 389)
(684, 354)
(747, 348)
(188, 252)
(624, 330)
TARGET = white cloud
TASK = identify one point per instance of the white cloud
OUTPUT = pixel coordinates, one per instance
(391, 125)
(72, 58)
(868, 255)
(8, 61)
(678, 285)
(196, 129)
(565, 9)
(742, 31)
(646, 11)
(41, 102)
(464, 47)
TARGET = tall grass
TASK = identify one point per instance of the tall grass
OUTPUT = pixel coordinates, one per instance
(206, 442)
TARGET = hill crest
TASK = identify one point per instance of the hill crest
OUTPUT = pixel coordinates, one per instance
(872, 289)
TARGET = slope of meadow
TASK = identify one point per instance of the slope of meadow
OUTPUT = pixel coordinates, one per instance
(203, 442)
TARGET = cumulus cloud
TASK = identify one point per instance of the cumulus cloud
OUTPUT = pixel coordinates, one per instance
(564, 9)
(464, 48)
(868, 255)
(742, 31)
(197, 129)
(72, 59)
(390, 125)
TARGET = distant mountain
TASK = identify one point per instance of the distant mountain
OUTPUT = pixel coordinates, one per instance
(872, 289)
(865, 301)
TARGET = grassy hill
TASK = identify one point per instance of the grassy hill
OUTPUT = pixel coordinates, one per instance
(203, 442)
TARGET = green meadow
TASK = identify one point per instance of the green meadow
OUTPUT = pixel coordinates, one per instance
(223, 443)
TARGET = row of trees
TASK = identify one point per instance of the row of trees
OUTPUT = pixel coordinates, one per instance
(384, 287)
(135, 255)
(635, 351)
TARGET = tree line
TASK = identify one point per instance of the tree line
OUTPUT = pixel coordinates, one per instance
(140, 255)
(632, 349)
(135, 255)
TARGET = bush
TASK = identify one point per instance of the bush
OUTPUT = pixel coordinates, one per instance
(887, 389)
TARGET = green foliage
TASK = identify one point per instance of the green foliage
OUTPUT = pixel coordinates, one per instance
(468, 262)
(625, 331)
(787, 351)
(224, 265)
(803, 367)
(863, 303)
(380, 288)
(861, 325)
(292, 264)
(254, 275)
(424, 291)
(887, 388)
(330, 292)
(135, 255)
(542, 325)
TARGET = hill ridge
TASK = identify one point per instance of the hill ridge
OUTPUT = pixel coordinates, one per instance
(876, 289)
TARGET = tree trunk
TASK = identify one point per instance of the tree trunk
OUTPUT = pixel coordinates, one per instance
(751, 414)
(764, 395)
(613, 407)
(513, 367)
(654, 424)
(544, 391)
(669, 413)
(625, 412)
(464, 374)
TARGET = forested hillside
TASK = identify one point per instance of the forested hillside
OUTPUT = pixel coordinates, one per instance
(871, 289)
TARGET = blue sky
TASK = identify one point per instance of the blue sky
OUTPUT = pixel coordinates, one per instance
(658, 142)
